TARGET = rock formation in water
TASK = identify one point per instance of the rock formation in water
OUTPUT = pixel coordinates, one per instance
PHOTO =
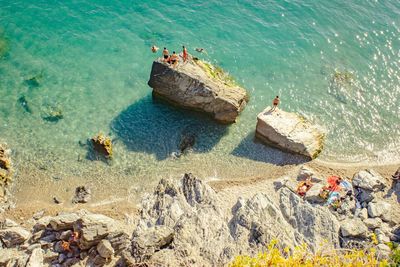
(198, 85)
(5, 172)
(102, 144)
(289, 132)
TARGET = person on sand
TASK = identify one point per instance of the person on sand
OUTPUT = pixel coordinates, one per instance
(154, 49)
(174, 58)
(184, 53)
(275, 103)
(165, 53)
(304, 186)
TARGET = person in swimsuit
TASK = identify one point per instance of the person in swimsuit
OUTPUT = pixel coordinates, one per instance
(174, 58)
(165, 53)
(184, 53)
(275, 103)
(154, 49)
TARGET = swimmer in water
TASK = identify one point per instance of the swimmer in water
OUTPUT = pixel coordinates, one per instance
(154, 49)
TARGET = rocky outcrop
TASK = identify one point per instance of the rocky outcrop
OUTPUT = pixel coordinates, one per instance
(63, 240)
(189, 224)
(289, 132)
(5, 172)
(198, 85)
(102, 144)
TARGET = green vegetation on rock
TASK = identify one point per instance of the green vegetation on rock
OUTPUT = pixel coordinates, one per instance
(216, 72)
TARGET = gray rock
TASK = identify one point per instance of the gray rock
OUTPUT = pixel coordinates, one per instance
(376, 209)
(14, 236)
(65, 235)
(93, 228)
(312, 195)
(383, 251)
(289, 132)
(355, 243)
(363, 214)
(392, 217)
(12, 258)
(353, 228)
(190, 86)
(194, 190)
(42, 223)
(152, 240)
(38, 214)
(33, 247)
(314, 224)
(119, 241)
(36, 258)
(62, 257)
(63, 221)
(364, 195)
(373, 223)
(83, 194)
(307, 172)
(7, 223)
(105, 249)
(187, 222)
(165, 258)
(369, 180)
(49, 256)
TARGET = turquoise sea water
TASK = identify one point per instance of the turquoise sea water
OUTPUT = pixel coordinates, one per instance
(92, 60)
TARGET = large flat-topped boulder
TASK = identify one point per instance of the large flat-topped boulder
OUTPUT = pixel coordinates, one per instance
(198, 85)
(289, 132)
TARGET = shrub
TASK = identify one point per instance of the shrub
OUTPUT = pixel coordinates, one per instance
(301, 256)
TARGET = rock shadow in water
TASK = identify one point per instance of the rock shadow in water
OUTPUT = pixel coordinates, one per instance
(253, 149)
(154, 127)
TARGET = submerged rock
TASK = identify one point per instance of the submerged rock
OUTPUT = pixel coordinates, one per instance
(187, 142)
(289, 132)
(102, 144)
(24, 104)
(197, 85)
(32, 82)
(54, 114)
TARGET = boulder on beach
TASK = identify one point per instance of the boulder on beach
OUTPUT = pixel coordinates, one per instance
(197, 85)
(289, 132)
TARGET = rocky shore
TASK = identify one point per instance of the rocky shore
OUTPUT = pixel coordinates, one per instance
(188, 222)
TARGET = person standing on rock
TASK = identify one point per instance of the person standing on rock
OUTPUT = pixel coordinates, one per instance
(275, 103)
(165, 53)
(174, 58)
(184, 53)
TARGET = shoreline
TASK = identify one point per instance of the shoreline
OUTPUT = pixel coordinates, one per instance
(123, 206)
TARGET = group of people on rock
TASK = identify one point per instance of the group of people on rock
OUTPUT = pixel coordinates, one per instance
(172, 59)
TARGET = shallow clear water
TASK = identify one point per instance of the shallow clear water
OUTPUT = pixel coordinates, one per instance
(93, 62)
